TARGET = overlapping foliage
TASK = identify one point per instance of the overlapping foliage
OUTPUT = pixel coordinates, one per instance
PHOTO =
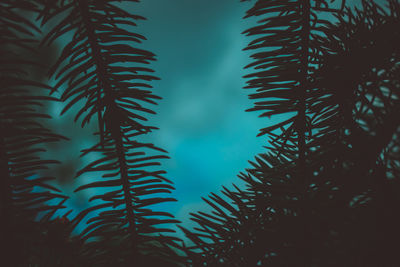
(100, 72)
(25, 194)
(323, 194)
(103, 73)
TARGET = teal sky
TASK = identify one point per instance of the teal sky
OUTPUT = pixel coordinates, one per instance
(202, 119)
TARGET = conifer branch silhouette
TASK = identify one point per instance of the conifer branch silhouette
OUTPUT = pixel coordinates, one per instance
(317, 210)
(101, 68)
(26, 195)
(282, 70)
(325, 192)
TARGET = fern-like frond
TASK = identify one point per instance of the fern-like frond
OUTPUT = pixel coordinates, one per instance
(103, 73)
(99, 58)
(287, 49)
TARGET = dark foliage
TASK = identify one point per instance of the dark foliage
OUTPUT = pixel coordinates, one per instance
(25, 195)
(323, 194)
(101, 73)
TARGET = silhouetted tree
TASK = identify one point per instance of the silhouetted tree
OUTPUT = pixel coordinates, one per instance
(325, 192)
(102, 74)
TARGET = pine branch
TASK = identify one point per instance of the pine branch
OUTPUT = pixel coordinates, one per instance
(26, 194)
(345, 136)
(102, 68)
